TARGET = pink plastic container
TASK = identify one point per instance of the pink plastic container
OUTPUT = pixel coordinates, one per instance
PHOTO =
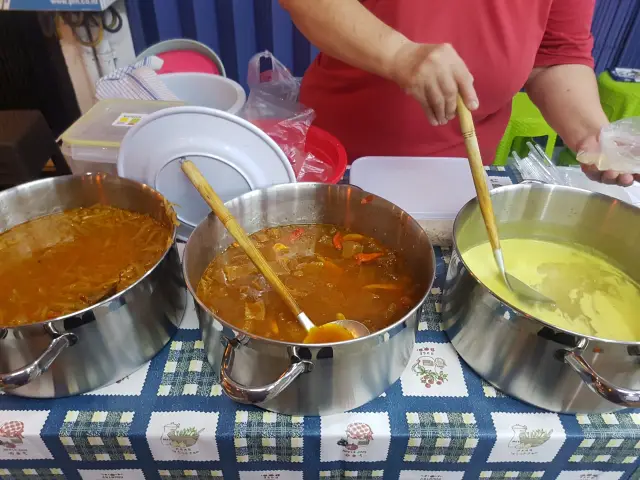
(181, 61)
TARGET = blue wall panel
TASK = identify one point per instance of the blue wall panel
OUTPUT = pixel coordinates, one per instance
(612, 28)
(630, 52)
(237, 29)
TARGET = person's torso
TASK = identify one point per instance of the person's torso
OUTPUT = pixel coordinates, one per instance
(497, 39)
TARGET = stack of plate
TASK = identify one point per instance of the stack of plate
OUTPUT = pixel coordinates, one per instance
(233, 155)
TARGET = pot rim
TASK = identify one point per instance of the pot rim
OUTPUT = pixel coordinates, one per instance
(545, 186)
(108, 177)
(258, 338)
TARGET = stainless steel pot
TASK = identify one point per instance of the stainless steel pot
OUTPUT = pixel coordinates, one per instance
(540, 364)
(100, 345)
(306, 379)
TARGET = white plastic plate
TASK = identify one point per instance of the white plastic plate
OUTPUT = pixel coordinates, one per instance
(234, 156)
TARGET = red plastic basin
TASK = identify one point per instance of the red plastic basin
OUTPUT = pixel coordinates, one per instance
(327, 148)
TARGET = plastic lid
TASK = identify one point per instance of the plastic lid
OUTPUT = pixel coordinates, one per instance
(426, 188)
(232, 154)
(108, 121)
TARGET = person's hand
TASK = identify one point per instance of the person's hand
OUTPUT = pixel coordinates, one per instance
(588, 152)
(434, 74)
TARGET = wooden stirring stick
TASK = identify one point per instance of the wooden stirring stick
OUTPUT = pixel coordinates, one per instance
(486, 207)
(231, 224)
(477, 171)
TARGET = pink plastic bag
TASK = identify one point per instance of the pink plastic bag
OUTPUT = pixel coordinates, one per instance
(273, 107)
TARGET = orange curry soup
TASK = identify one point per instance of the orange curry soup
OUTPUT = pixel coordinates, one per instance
(66, 262)
(332, 273)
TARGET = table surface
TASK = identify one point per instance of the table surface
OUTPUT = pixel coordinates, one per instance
(439, 422)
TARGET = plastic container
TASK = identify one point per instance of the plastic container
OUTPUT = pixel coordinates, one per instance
(92, 143)
(206, 90)
(431, 190)
(327, 148)
(178, 56)
(578, 179)
(318, 142)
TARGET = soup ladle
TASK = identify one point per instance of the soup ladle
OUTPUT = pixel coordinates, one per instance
(352, 327)
(486, 207)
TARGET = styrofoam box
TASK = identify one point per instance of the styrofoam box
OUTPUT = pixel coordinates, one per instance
(431, 189)
(626, 194)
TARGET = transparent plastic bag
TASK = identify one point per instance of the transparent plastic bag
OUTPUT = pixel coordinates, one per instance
(538, 167)
(619, 147)
(273, 107)
(264, 68)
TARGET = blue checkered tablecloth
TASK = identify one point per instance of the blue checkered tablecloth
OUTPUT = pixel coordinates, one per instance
(170, 420)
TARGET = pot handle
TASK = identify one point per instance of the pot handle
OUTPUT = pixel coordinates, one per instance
(256, 395)
(598, 384)
(28, 373)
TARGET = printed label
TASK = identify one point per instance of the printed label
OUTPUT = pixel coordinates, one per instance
(589, 475)
(20, 435)
(130, 385)
(355, 437)
(186, 436)
(430, 475)
(128, 119)
(271, 475)
(127, 474)
(497, 182)
(434, 371)
(526, 437)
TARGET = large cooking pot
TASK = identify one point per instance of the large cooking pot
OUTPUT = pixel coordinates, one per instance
(105, 343)
(540, 364)
(296, 378)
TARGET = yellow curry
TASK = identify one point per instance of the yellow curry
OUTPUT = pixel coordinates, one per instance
(592, 297)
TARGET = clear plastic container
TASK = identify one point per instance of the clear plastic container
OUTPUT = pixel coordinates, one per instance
(92, 143)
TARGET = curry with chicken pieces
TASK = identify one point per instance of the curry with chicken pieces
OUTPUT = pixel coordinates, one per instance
(332, 273)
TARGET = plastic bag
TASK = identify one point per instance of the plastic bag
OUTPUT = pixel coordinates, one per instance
(619, 147)
(264, 68)
(538, 167)
(274, 108)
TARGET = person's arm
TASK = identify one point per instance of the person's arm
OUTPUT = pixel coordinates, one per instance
(346, 30)
(567, 96)
(563, 84)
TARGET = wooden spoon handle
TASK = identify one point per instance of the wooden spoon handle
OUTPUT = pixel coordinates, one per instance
(477, 171)
(234, 228)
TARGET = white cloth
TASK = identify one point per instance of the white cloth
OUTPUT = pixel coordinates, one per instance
(138, 81)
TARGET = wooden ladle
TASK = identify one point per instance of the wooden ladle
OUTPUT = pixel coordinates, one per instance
(340, 329)
(486, 207)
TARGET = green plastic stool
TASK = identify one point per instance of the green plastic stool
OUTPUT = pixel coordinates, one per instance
(619, 99)
(566, 158)
(526, 122)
